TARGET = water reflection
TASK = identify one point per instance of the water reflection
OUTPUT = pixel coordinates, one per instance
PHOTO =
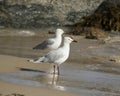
(51, 79)
(89, 72)
(89, 83)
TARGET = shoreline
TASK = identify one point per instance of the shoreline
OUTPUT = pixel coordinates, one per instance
(12, 64)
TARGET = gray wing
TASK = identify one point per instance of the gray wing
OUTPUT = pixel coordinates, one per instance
(54, 55)
(44, 44)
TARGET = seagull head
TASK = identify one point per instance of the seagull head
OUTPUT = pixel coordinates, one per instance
(69, 40)
(59, 31)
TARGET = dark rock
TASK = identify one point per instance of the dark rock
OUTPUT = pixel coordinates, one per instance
(34, 16)
(75, 16)
(3, 21)
(106, 16)
(44, 13)
(90, 32)
(107, 5)
(95, 33)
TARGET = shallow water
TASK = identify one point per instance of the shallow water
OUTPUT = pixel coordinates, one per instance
(88, 70)
(90, 83)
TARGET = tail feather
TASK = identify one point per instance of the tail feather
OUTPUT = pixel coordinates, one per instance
(38, 60)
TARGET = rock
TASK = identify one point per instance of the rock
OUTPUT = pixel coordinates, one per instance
(115, 59)
(110, 40)
(89, 32)
(104, 40)
(44, 13)
(106, 5)
(36, 16)
(13, 94)
(106, 16)
(95, 33)
(74, 16)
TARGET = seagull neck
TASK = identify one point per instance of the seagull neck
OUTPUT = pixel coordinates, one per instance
(66, 46)
(58, 36)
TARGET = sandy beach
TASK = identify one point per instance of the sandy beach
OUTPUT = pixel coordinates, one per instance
(12, 64)
(91, 69)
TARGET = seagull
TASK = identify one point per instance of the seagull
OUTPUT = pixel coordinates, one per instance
(57, 56)
(51, 43)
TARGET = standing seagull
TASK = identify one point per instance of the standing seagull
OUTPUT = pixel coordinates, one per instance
(57, 56)
(52, 43)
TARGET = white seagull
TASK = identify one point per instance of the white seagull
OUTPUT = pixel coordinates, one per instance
(57, 56)
(51, 43)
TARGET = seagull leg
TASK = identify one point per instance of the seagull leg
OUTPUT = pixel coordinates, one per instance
(58, 70)
(53, 79)
(54, 69)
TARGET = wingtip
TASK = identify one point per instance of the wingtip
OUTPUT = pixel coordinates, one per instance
(38, 48)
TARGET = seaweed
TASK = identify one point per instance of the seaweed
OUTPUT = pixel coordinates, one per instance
(105, 17)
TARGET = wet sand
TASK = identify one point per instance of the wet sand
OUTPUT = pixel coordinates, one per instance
(20, 45)
(89, 71)
(10, 64)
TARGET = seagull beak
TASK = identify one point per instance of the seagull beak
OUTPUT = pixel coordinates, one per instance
(74, 41)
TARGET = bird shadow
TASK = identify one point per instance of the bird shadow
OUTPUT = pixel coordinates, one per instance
(51, 80)
(30, 70)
